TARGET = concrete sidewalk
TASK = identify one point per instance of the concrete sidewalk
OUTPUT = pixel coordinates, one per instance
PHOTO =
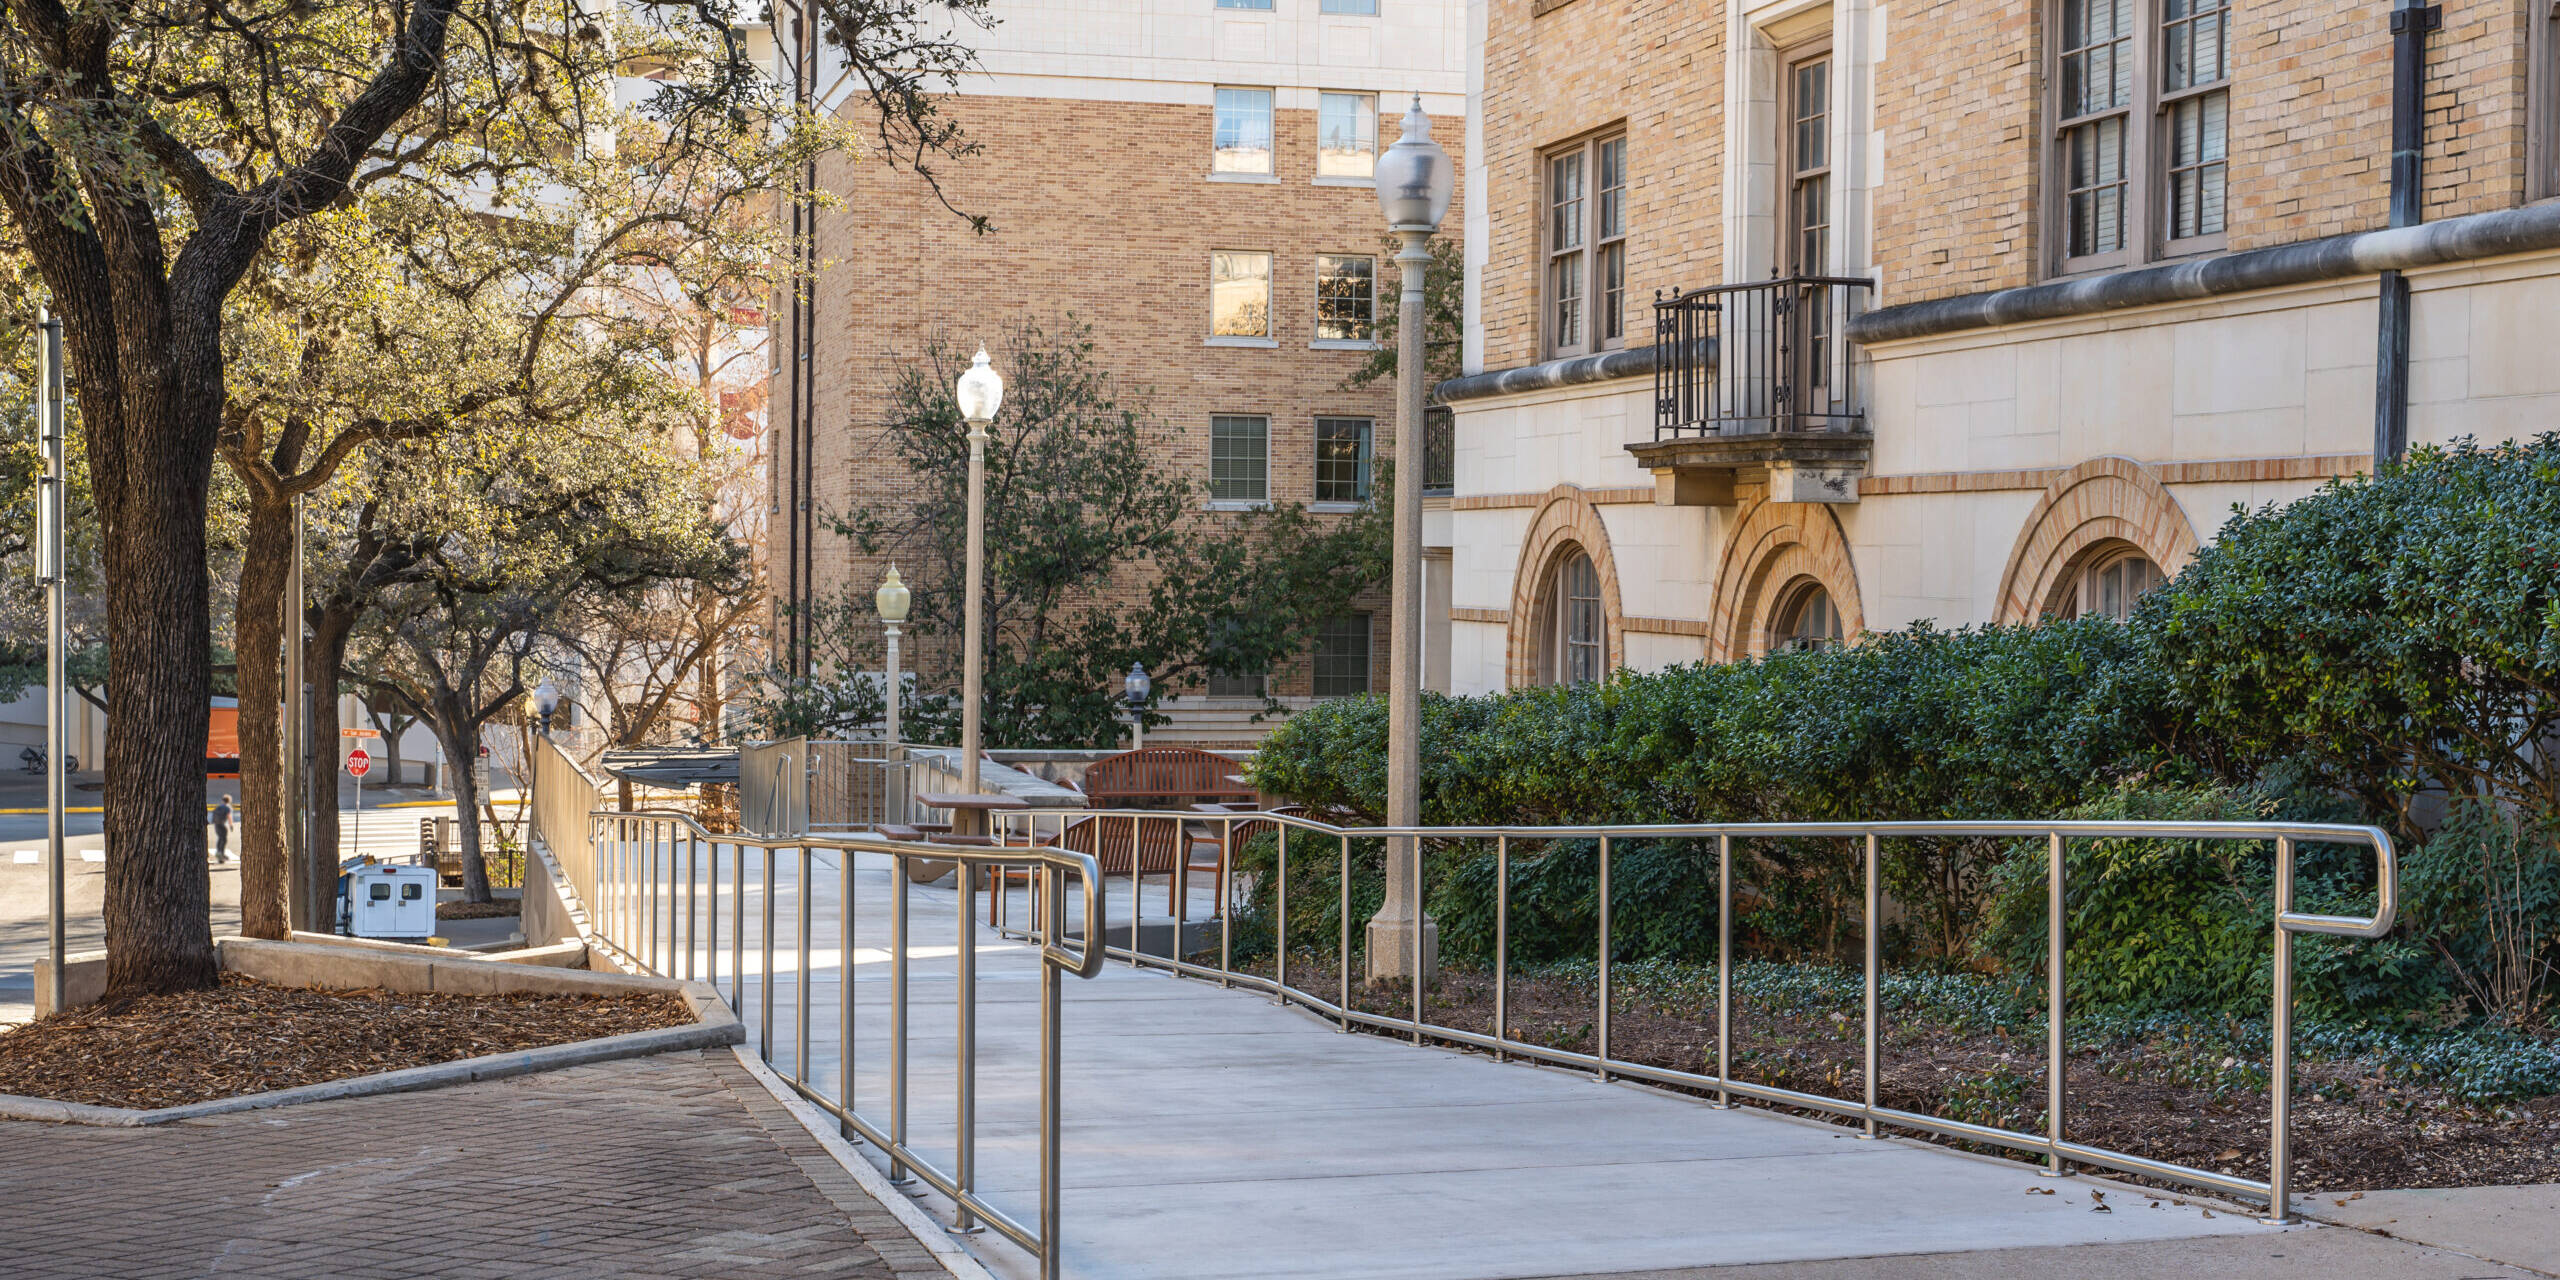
(1210, 1133)
(679, 1165)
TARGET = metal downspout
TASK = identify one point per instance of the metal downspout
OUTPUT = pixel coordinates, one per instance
(2410, 23)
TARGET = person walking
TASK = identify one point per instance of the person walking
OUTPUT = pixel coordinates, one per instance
(222, 830)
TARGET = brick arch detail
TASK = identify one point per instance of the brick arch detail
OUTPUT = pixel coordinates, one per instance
(1775, 545)
(1567, 519)
(2101, 501)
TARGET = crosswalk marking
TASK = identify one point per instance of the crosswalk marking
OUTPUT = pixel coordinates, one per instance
(93, 855)
(29, 855)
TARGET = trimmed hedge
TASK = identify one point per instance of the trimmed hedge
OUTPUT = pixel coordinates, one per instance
(2387, 649)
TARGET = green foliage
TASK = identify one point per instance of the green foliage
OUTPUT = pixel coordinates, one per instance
(1444, 315)
(2398, 634)
(2187, 924)
(2485, 891)
(1097, 555)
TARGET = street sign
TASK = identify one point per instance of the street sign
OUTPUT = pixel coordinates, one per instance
(359, 733)
(358, 763)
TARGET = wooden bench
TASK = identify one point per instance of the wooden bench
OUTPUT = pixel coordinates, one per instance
(1156, 777)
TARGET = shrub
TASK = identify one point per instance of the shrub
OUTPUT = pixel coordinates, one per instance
(2186, 926)
(2484, 890)
(2397, 634)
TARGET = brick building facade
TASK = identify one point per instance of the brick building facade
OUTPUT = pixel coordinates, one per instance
(1126, 157)
(1993, 308)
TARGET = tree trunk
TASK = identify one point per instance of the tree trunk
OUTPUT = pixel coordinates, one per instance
(461, 753)
(152, 459)
(321, 665)
(257, 621)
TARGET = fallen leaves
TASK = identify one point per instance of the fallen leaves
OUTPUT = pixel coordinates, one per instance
(247, 1037)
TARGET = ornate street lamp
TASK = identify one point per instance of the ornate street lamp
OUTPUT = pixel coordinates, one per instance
(1134, 689)
(544, 702)
(892, 600)
(980, 393)
(1415, 182)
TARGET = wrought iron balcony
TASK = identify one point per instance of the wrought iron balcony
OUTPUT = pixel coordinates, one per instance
(1758, 382)
(1749, 359)
(1439, 450)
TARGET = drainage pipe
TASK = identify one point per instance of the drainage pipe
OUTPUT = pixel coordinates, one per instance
(2410, 23)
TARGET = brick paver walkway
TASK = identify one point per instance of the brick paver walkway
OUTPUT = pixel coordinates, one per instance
(675, 1165)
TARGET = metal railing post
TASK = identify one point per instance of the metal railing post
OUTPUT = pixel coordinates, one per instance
(898, 1175)
(711, 914)
(764, 969)
(1875, 967)
(1226, 903)
(800, 974)
(2056, 1083)
(1054, 895)
(1342, 963)
(1603, 1071)
(844, 986)
(1724, 969)
(738, 926)
(2280, 1031)
(1137, 894)
(964, 1136)
(1420, 918)
(1280, 925)
(1501, 947)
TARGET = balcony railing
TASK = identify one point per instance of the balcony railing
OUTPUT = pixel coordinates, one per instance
(1439, 450)
(1758, 359)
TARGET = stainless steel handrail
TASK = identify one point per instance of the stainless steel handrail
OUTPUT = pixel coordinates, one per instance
(642, 866)
(2057, 1151)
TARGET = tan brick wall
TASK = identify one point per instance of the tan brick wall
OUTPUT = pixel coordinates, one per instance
(1958, 106)
(1100, 210)
(1582, 65)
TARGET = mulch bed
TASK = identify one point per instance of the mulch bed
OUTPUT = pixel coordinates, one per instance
(248, 1037)
(479, 910)
(2351, 1130)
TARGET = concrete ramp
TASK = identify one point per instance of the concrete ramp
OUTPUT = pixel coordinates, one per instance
(1210, 1133)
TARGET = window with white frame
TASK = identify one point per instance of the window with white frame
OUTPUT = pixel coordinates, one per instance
(1808, 620)
(2140, 149)
(1239, 457)
(1346, 298)
(2542, 92)
(1342, 459)
(1577, 640)
(1346, 134)
(1585, 236)
(1239, 294)
(1342, 657)
(1244, 4)
(1242, 141)
(1355, 8)
(2110, 582)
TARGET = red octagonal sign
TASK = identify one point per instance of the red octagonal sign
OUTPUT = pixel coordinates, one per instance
(358, 762)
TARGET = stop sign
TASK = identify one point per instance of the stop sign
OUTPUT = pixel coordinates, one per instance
(358, 762)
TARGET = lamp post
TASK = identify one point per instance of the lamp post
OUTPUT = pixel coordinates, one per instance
(52, 502)
(543, 702)
(1415, 181)
(892, 600)
(980, 392)
(1134, 689)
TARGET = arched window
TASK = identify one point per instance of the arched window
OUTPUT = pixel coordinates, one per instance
(1578, 636)
(2110, 582)
(1807, 620)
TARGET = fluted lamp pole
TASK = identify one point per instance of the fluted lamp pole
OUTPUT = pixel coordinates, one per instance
(980, 393)
(892, 599)
(1415, 182)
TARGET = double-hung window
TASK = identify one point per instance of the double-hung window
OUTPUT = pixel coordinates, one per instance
(1342, 459)
(1239, 458)
(1242, 140)
(1342, 657)
(1346, 135)
(1585, 234)
(1346, 298)
(1355, 8)
(2542, 91)
(2141, 142)
(1239, 295)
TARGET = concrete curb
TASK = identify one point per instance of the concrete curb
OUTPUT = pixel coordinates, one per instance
(715, 1025)
(946, 1250)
